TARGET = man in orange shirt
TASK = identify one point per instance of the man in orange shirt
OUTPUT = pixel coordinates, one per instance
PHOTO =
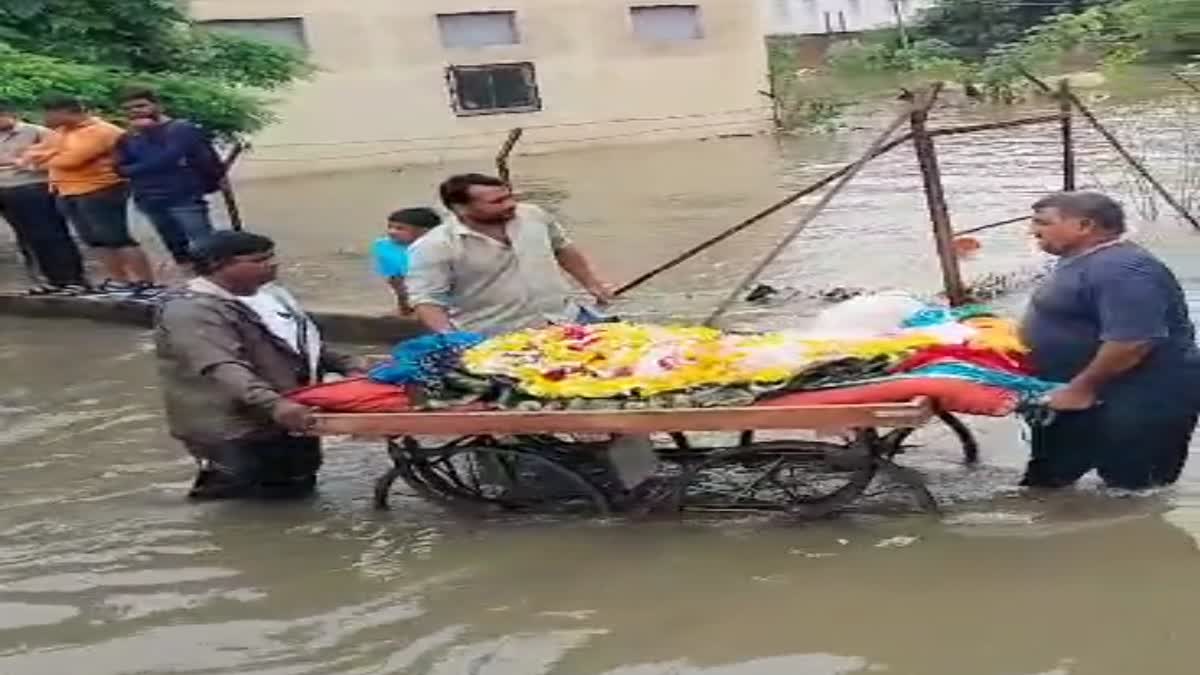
(82, 164)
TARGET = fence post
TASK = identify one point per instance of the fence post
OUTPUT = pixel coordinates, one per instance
(939, 213)
(1067, 112)
(227, 193)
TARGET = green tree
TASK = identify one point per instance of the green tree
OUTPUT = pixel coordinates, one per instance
(93, 48)
(975, 27)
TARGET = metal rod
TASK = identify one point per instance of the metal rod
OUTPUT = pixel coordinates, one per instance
(514, 135)
(991, 126)
(769, 211)
(227, 193)
(989, 226)
(816, 209)
(1065, 112)
(1190, 85)
(1116, 144)
(939, 212)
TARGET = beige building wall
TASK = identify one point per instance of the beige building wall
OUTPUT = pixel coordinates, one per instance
(381, 96)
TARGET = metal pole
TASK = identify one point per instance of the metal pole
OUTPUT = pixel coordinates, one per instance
(900, 23)
(811, 215)
(506, 150)
(1065, 111)
(939, 213)
(1190, 85)
(1116, 144)
(227, 193)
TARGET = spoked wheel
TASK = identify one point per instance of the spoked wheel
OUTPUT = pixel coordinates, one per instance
(502, 478)
(805, 479)
(400, 451)
(966, 439)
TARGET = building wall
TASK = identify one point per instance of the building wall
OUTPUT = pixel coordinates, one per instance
(381, 96)
(810, 17)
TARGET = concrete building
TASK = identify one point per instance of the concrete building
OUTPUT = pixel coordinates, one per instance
(408, 81)
(815, 17)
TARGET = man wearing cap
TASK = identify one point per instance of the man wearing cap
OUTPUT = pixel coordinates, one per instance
(230, 345)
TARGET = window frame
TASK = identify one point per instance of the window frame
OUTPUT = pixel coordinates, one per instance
(697, 14)
(511, 14)
(530, 71)
(302, 25)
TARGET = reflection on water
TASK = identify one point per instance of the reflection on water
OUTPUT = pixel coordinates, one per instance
(105, 570)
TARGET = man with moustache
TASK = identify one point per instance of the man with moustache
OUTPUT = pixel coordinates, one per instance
(496, 266)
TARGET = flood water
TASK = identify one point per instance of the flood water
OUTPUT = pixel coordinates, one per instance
(105, 570)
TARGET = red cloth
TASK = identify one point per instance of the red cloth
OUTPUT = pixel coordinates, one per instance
(986, 358)
(353, 395)
(952, 395)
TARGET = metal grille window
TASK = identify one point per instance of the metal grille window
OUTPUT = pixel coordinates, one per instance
(287, 31)
(667, 23)
(478, 29)
(494, 88)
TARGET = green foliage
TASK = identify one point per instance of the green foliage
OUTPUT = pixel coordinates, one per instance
(93, 48)
(974, 27)
(988, 43)
(225, 110)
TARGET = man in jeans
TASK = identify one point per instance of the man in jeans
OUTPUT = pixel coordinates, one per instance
(171, 166)
(81, 160)
(28, 206)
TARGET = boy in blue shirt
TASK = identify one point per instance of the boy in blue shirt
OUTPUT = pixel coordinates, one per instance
(390, 253)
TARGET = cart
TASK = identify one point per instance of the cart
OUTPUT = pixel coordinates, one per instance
(563, 461)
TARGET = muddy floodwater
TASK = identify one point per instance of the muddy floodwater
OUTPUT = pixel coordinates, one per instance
(106, 570)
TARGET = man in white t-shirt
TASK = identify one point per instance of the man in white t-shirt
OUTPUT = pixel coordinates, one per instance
(230, 345)
(497, 266)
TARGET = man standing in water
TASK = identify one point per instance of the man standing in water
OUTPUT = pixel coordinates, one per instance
(230, 345)
(1112, 323)
(497, 266)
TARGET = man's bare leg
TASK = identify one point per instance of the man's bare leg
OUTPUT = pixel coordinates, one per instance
(136, 264)
(114, 266)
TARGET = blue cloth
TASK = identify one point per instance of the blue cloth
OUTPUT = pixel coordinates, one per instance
(1029, 388)
(423, 359)
(389, 258)
(161, 162)
(932, 315)
(1120, 293)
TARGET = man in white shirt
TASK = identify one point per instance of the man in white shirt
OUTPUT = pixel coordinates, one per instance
(496, 266)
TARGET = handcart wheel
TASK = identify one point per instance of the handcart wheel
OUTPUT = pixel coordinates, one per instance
(504, 478)
(970, 445)
(806, 479)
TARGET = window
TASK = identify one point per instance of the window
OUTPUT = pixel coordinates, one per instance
(493, 89)
(478, 29)
(287, 31)
(667, 23)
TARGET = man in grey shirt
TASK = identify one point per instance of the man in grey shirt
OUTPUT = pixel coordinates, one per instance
(497, 266)
(1112, 323)
(28, 206)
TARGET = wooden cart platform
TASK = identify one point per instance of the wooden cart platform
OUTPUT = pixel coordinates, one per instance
(532, 462)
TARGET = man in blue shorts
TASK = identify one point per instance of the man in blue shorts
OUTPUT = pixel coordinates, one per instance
(389, 254)
(1112, 323)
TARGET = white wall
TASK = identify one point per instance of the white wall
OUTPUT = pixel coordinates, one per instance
(807, 17)
(381, 96)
